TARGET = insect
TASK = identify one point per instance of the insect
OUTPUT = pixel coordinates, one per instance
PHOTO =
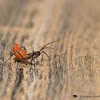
(21, 52)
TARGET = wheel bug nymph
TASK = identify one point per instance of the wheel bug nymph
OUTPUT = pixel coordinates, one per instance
(21, 53)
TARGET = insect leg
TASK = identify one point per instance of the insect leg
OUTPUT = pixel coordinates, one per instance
(33, 59)
(9, 58)
(46, 54)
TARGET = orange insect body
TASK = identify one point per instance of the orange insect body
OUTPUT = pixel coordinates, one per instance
(21, 51)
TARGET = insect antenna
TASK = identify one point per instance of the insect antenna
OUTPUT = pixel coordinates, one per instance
(52, 42)
(52, 49)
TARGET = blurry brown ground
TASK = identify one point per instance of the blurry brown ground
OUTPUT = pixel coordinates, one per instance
(33, 23)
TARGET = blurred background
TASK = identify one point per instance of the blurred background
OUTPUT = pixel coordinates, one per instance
(30, 13)
(33, 23)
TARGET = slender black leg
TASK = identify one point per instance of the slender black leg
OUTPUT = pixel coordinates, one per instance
(46, 55)
(34, 61)
(9, 58)
(23, 48)
(42, 57)
(31, 60)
